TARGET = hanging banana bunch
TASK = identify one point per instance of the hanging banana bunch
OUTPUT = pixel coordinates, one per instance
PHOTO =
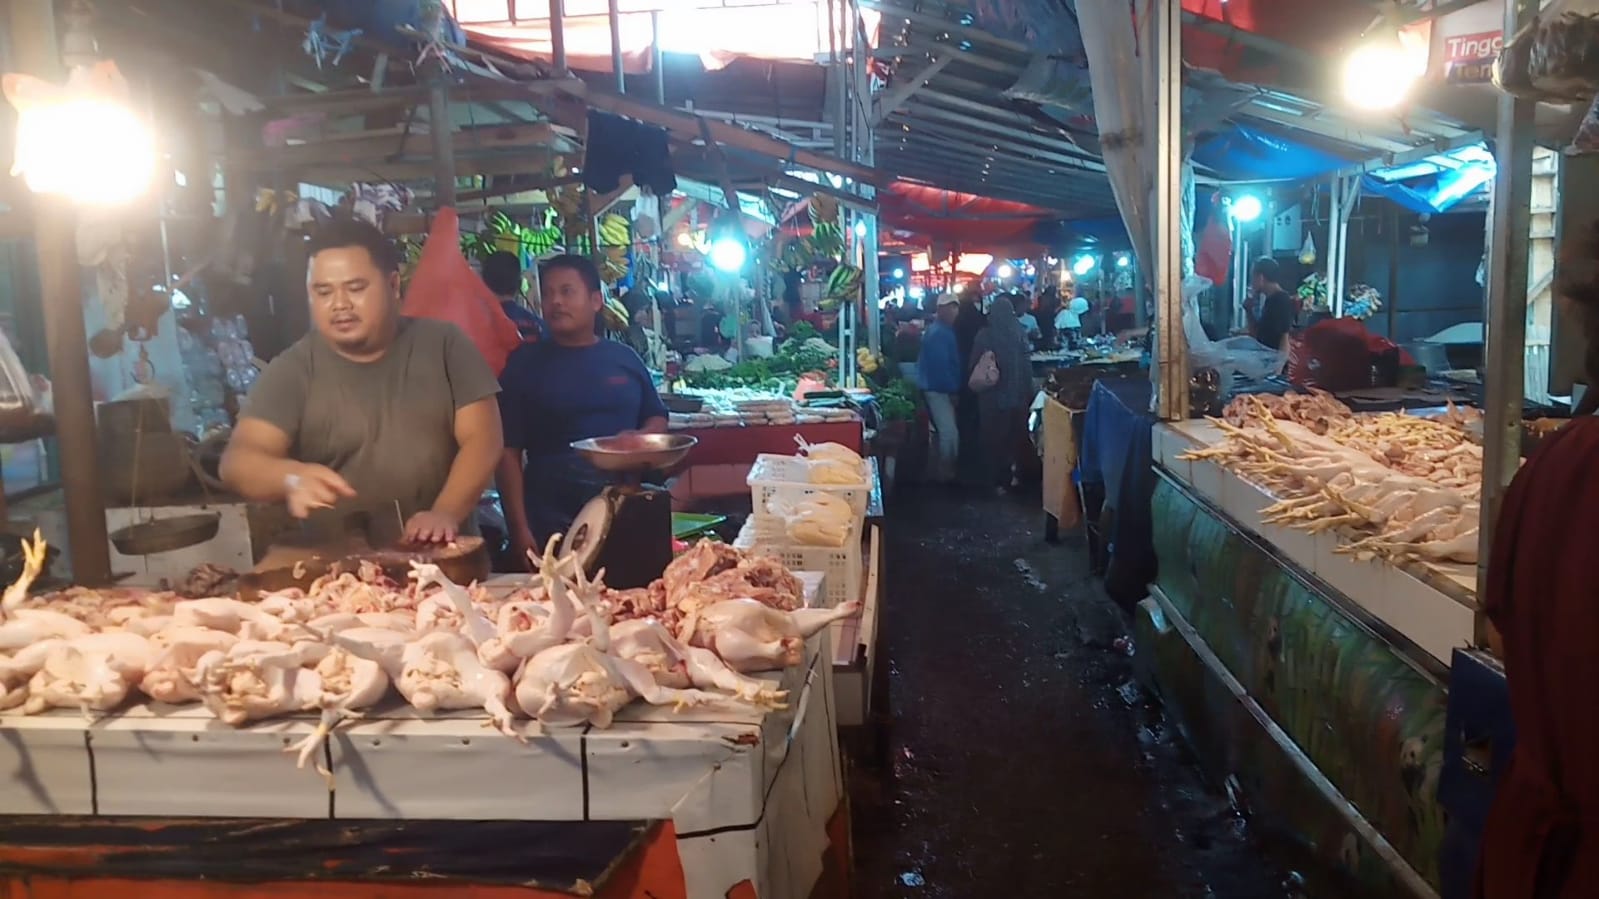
(615, 239)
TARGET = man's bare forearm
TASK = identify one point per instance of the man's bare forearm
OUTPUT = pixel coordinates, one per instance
(257, 475)
(474, 465)
(656, 425)
(509, 478)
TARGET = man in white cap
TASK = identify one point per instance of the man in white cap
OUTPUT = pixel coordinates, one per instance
(939, 374)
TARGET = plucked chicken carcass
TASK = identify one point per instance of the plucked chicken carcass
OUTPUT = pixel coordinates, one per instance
(439, 671)
(345, 685)
(17, 670)
(751, 636)
(583, 683)
(673, 664)
(93, 672)
(174, 676)
(252, 680)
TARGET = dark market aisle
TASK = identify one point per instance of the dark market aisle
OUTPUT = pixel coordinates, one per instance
(1022, 761)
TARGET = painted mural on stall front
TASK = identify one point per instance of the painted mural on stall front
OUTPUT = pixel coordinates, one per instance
(1368, 720)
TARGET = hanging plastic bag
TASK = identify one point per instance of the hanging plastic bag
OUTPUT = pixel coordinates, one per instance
(1307, 250)
(1511, 67)
(1564, 58)
(444, 287)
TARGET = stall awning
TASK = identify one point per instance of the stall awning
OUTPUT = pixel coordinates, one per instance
(973, 222)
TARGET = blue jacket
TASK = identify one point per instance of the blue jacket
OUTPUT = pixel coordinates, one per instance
(938, 368)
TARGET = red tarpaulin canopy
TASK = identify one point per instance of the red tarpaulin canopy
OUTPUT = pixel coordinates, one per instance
(975, 223)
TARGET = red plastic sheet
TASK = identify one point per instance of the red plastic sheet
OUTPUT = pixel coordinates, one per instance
(444, 287)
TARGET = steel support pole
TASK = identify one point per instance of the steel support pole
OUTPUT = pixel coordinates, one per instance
(1172, 352)
(865, 152)
(558, 35)
(35, 51)
(613, 12)
(657, 57)
(1506, 337)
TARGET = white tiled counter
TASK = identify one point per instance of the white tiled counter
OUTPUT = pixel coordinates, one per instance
(750, 794)
(1432, 605)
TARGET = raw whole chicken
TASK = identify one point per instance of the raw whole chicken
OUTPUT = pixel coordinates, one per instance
(17, 671)
(647, 642)
(348, 684)
(28, 626)
(92, 673)
(435, 672)
(751, 636)
(582, 683)
(235, 617)
(255, 679)
(174, 676)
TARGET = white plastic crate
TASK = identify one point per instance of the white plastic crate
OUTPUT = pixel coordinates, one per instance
(784, 478)
(842, 564)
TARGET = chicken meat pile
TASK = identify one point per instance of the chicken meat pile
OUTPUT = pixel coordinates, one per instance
(1317, 410)
(562, 649)
(1394, 486)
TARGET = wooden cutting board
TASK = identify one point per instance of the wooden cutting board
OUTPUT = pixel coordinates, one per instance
(290, 564)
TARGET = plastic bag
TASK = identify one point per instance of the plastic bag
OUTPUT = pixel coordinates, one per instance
(444, 287)
(1510, 69)
(1244, 355)
(1307, 250)
(1587, 137)
(1563, 60)
(19, 404)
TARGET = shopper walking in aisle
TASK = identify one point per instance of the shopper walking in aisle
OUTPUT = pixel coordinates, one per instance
(1069, 320)
(1023, 305)
(968, 321)
(1540, 840)
(939, 371)
(1003, 395)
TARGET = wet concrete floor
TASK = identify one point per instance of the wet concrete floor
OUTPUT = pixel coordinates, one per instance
(1020, 759)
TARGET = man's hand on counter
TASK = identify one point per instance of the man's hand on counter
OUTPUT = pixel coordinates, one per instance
(522, 543)
(310, 487)
(430, 527)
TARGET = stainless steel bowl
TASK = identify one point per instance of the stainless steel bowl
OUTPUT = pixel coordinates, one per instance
(635, 452)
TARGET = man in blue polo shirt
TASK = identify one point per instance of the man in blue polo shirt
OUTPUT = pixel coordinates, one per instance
(572, 386)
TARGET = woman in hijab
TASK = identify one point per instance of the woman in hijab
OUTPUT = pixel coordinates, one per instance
(1541, 840)
(1002, 408)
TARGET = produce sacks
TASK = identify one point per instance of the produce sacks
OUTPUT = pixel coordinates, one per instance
(444, 287)
(1563, 60)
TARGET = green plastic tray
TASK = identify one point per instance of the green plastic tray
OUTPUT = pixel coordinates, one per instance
(687, 524)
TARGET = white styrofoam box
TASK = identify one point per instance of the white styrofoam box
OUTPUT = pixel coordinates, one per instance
(456, 767)
(650, 770)
(47, 766)
(186, 767)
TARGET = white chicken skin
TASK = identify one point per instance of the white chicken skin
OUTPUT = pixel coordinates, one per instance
(92, 673)
(751, 636)
(647, 642)
(583, 683)
(434, 672)
(174, 676)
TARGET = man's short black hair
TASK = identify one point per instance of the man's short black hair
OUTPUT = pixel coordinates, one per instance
(354, 232)
(1267, 267)
(502, 272)
(580, 264)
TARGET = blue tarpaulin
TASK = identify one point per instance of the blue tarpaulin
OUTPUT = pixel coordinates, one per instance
(1242, 153)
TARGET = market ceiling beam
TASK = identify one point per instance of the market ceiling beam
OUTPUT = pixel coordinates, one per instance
(966, 31)
(920, 160)
(885, 103)
(1029, 139)
(910, 129)
(395, 144)
(1019, 188)
(697, 159)
(686, 125)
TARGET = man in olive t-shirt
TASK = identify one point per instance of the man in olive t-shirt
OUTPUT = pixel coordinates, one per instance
(370, 405)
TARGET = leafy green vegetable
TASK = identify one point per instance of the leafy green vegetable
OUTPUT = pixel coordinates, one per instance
(897, 401)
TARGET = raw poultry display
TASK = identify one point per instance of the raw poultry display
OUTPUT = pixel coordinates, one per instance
(1394, 485)
(560, 648)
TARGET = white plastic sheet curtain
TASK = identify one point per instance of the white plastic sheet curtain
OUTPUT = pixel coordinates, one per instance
(1118, 36)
